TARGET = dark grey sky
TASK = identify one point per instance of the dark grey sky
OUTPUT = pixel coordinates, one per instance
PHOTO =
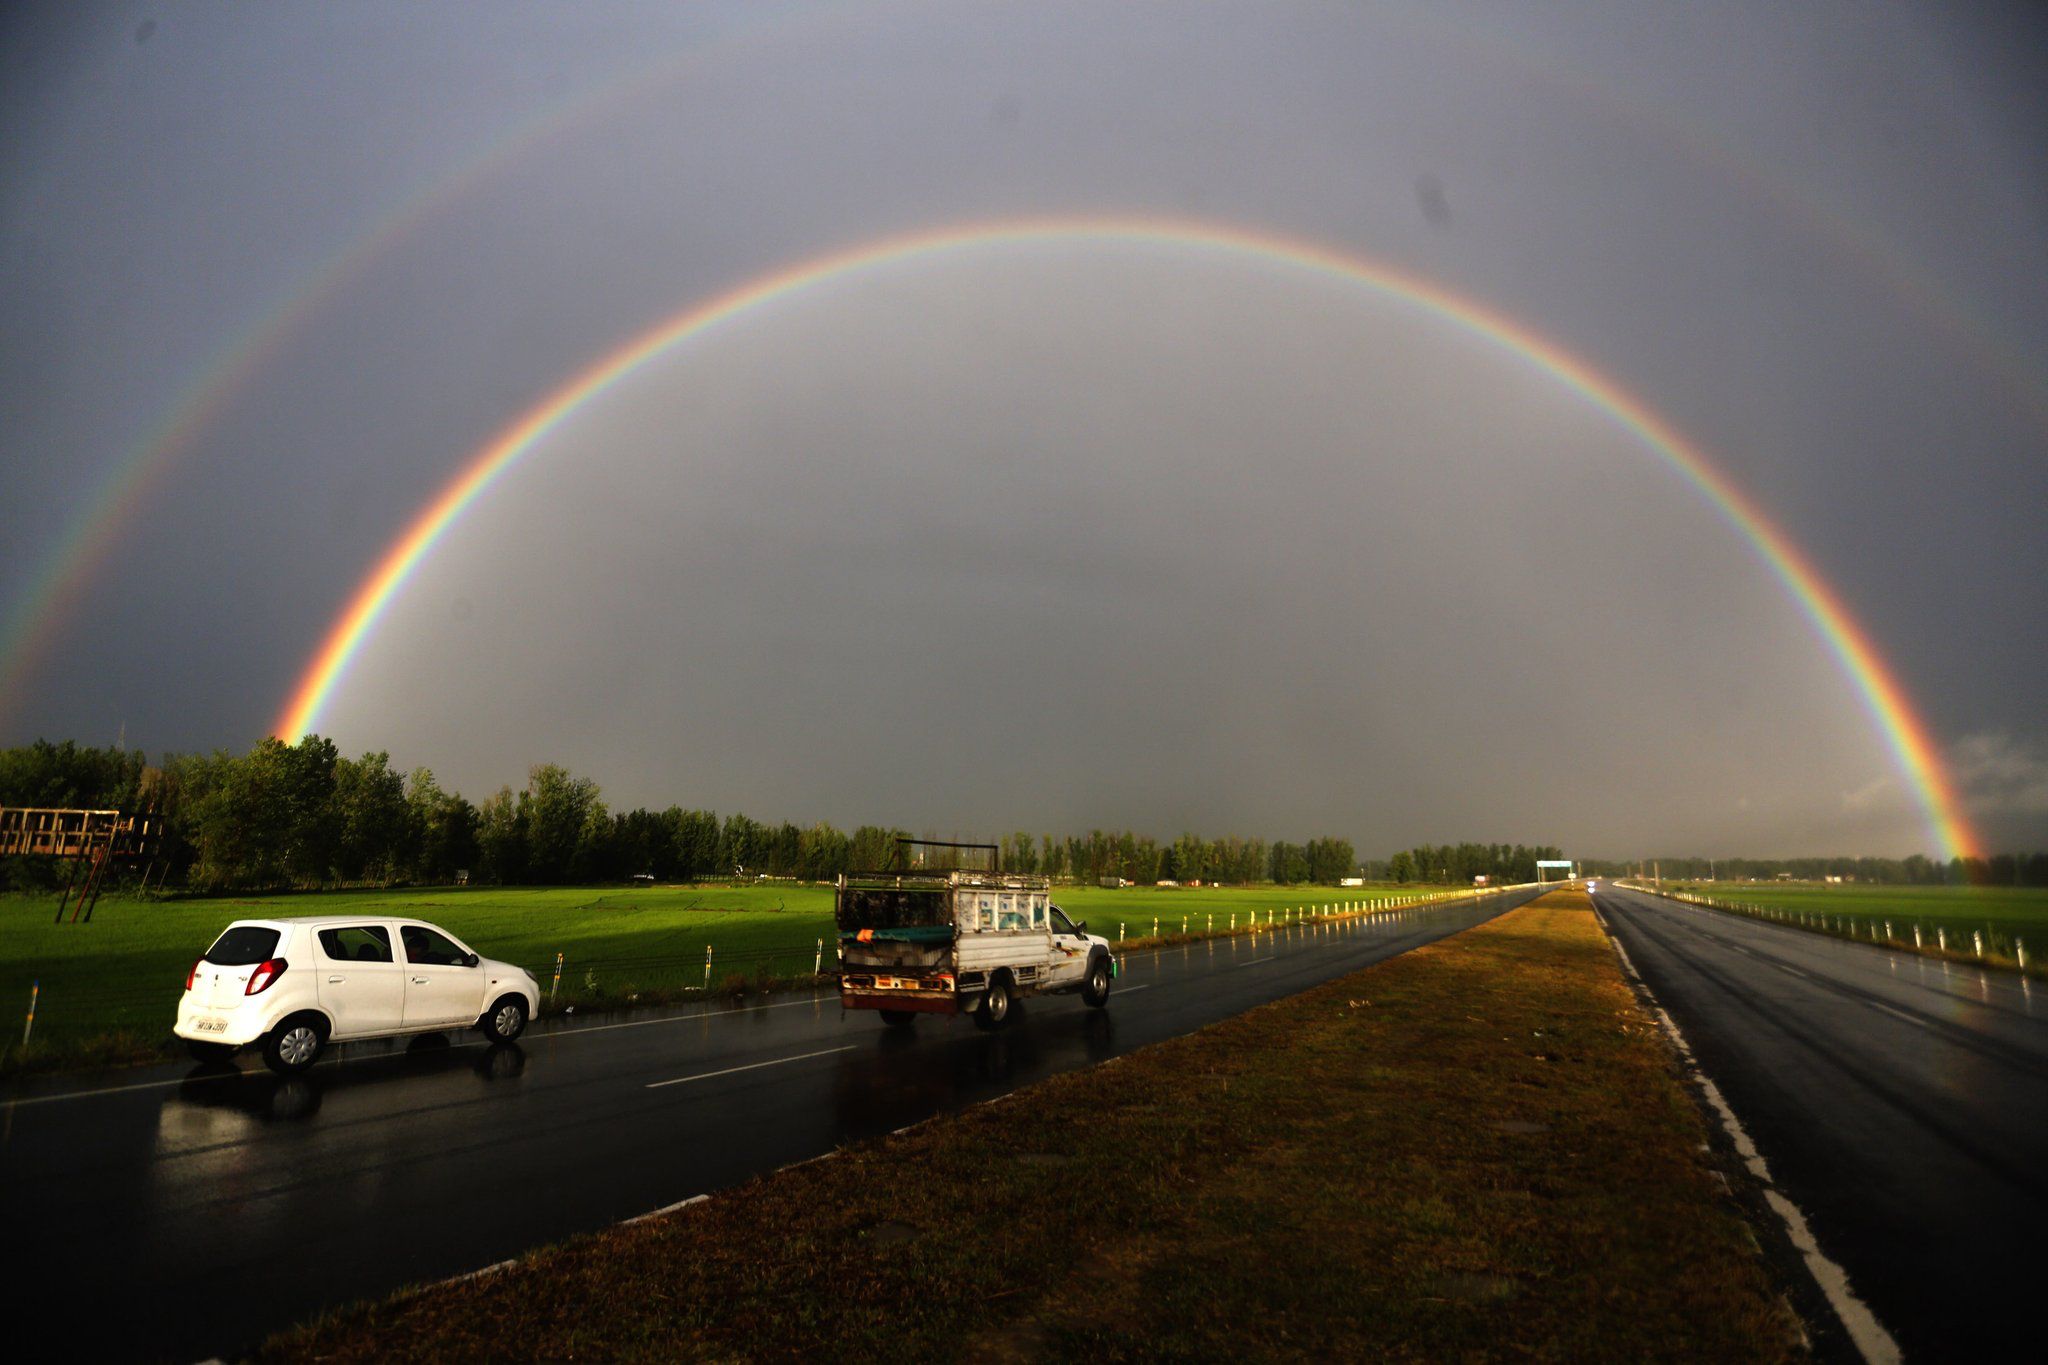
(1052, 536)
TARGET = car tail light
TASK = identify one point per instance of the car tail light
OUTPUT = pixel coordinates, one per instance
(193, 975)
(264, 976)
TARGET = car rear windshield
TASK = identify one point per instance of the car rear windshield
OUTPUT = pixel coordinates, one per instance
(243, 946)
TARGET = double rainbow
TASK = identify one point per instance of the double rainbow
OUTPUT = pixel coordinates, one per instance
(1905, 734)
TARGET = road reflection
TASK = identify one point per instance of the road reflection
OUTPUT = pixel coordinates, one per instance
(907, 1074)
(220, 1102)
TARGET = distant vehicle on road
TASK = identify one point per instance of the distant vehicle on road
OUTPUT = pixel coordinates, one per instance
(961, 942)
(292, 986)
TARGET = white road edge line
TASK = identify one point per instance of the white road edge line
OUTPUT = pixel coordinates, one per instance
(24, 1100)
(1873, 1342)
(490, 1269)
(571, 1031)
(1127, 990)
(751, 1066)
(1257, 960)
(665, 1209)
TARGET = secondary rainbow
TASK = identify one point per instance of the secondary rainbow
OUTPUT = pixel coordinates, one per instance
(1905, 734)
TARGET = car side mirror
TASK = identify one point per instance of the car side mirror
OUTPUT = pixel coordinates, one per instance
(470, 959)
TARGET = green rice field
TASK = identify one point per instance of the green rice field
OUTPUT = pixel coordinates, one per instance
(2007, 917)
(115, 982)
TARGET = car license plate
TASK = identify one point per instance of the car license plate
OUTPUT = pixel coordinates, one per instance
(885, 983)
(211, 1025)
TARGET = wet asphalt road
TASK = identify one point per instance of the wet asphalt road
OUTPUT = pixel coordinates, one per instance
(181, 1213)
(1900, 1101)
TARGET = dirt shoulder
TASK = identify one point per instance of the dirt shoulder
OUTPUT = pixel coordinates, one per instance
(1478, 1149)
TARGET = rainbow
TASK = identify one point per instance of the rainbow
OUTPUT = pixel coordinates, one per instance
(30, 625)
(1912, 747)
(87, 541)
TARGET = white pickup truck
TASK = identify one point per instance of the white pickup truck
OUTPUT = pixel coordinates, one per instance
(953, 942)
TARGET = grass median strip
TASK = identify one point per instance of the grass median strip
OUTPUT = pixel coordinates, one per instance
(1477, 1149)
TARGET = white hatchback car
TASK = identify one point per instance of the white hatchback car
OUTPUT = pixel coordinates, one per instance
(295, 985)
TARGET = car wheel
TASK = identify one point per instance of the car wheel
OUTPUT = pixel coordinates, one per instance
(1095, 991)
(294, 1045)
(208, 1052)
(994, 1010)
(899, 1018)
(505, 1020)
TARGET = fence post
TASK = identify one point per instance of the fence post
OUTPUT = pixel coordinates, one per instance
(707, 966)
(557, 983)
(2019, 946)
(1941, 937)
(35, 989)
(1155, 926)
(1119, 931)
(1917, 944)
(818, 962)
(1978, 937)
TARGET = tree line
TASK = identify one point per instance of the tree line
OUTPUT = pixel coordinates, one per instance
(304, 815)
(1103, 856)
(1460, 864)
(2002, 869)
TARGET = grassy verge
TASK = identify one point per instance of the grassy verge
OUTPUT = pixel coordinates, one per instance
(108, 990)
(1984, 926)
(1477, 1149)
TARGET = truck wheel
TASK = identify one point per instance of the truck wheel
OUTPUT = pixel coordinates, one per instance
(899, 1018)
(994, 1010)
(1095, 990)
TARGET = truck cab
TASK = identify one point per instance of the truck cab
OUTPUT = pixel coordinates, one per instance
(920, 940)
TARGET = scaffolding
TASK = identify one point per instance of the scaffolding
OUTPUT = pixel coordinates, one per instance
(90, 840)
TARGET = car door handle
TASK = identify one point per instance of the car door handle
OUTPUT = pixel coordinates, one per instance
(333, 979)
(419, 981)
